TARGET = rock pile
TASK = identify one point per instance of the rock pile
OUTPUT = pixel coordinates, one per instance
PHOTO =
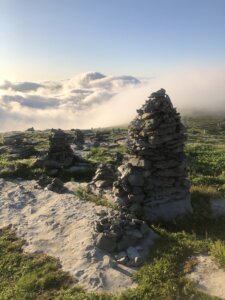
(77, 137)
(99, 137)
(125, 236)
(103, 179)
(56, 186)
(153, 180)
(60, 153)
(17, 146)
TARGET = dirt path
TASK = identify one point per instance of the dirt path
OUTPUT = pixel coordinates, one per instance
(209, 277)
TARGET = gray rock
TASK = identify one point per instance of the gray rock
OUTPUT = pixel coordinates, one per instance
(56, 186)
(126, 241)
(121, 254)
(132, 253)
(135, 233)
(106, 242)
(136, 180)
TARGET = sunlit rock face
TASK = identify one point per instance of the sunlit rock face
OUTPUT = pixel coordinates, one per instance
(153, 180)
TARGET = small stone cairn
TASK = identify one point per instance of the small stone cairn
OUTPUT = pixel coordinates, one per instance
(60, 153)
(17, 146)
(124, 236)
(152, 181)
(102, 181)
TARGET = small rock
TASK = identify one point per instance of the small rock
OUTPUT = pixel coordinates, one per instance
(105, 242)
(108, 262)
(55, 186)
(132, 253)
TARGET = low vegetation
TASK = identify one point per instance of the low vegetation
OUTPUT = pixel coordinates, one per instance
(218, 251)
(32, 276)
(83, 195)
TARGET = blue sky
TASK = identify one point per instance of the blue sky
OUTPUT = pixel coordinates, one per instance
(56, 39)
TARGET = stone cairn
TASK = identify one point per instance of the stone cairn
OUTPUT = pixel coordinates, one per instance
(99, 137)
(152, 181)
(77, 137)
(60, 153)
(17, 146)
(124, 236)
(104, 177)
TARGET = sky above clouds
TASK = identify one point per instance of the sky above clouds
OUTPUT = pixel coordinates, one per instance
(133, 47)
(54, 39)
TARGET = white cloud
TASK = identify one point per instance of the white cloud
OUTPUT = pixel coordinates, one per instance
(94, 100)
(20, 87)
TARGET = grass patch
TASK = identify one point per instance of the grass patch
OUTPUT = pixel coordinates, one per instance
(83, 195)
(23, 168)
(163, 276)
(206, 160)
(111, 157)
(27, 276)
(218, 251)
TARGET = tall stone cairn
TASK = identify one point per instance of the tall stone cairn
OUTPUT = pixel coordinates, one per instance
(153, 180)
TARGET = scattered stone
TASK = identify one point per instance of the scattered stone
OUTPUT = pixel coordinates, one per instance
(56, 186)
(77, 138)
(99, 137)
(120, 233)
(43, 181)
(17, 146)
(153, 178)
(134, 256)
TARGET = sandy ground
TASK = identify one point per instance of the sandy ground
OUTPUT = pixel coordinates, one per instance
(208, 276)
(61, 226)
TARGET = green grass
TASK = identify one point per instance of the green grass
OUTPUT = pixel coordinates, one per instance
(83, 195)
(34, 276)
(218, 251)
(23, 168)
(105, 155)
(31, 276)
(26, 276)
(206, 160)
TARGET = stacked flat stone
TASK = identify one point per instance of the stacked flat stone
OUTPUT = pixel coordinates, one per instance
(102, 180)
(153, 180)
(125, 236)
(104, 177)
(77, 137)
(17, 146)
(60, 153)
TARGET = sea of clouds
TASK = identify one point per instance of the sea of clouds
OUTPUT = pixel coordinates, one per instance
(96, 100)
